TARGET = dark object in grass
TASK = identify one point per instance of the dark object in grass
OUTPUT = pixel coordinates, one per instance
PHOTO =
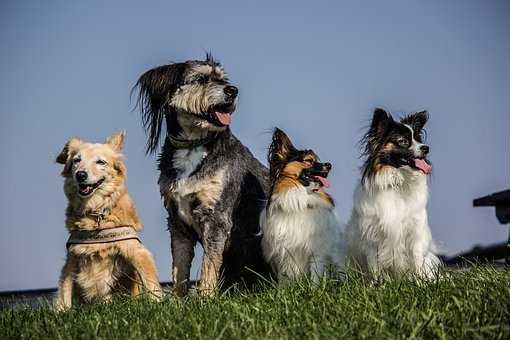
(490, 254)
(501, 201)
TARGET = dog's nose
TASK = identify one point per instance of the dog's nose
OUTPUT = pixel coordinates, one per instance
(425, 149)
(81, 176)
(230, 91)
(327, 166)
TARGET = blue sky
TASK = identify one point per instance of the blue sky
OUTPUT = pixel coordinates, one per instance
(315, 69)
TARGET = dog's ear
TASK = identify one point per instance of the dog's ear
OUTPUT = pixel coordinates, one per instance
(372, 140)
(380, 121)
(416, 120)
(280, 150)
(155, 90)
(281, 147)
(69, 147)
(67, 152)
(116, 141)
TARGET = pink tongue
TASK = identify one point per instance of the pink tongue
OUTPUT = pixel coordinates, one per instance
(323, 180)
(86, 190)
(423, 166)
(223, 117)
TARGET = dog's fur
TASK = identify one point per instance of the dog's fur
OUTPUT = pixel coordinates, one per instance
(213, 187)
(388, 230)
(301, 233)
(92, 272)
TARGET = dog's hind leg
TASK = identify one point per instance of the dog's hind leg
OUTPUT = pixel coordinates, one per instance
(64, 297)
(135, 287)
(145, 267)
(183, 250)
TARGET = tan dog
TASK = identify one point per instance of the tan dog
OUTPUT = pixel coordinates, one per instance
(104, 253)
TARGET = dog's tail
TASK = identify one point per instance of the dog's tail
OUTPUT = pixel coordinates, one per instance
(155, 90)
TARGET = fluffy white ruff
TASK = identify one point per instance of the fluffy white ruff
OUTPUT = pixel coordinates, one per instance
(388, 231)
(301, 234)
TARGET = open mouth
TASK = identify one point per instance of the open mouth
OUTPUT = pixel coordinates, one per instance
(421, 164)
(319, 177)
(322, 180)
(87, 189)
(221, 115)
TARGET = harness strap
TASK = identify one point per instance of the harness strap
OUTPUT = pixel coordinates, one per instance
(115, 234)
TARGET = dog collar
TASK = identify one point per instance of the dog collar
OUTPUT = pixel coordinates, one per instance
(177, 143)
(98, 216)
(115, 234)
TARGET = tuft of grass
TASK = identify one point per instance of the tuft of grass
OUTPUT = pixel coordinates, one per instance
(462, 305)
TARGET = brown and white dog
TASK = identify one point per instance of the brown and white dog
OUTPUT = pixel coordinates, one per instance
(301, 232)
(104, 252)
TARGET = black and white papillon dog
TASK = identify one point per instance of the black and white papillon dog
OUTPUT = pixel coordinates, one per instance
(388, 231)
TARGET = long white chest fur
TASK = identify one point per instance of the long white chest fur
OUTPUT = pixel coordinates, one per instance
(389, 228)
(301, 234)
(188, 188)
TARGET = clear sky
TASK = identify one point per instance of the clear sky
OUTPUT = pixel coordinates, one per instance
(316, 69)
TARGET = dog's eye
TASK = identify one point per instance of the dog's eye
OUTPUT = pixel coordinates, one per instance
(403, 142)
(76, 160)
(421, 136)
(100, 162)
(308, 161)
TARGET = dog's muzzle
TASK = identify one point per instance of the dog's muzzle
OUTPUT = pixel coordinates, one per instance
(85, 189)
(318, 174)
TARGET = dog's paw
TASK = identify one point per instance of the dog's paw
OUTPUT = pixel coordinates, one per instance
(157, 294)
(207, 291)
(60, 307)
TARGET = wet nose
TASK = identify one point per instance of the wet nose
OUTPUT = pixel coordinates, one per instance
(327, 166)
(230, 91)
(81, 176)
(425, 149)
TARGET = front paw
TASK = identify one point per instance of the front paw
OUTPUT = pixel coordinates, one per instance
(156, 295)
(60, 306)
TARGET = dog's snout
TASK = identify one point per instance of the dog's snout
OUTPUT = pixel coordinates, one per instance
(424, 149)
(81, 176)
(322, 166)
(230, 91)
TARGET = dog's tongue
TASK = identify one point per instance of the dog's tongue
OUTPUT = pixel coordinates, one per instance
(423, 165)
(85, 190)
(324, 181)
(223, 117)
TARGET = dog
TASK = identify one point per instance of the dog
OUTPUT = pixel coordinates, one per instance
(301, 232)
(212, 186)
(388, 230)
(104, 252)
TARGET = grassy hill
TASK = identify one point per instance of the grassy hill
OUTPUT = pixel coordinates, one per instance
(462, 305)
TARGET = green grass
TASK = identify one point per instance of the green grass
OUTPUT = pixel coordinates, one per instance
(463, 305)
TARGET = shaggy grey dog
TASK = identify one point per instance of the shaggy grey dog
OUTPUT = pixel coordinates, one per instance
(213, 187)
